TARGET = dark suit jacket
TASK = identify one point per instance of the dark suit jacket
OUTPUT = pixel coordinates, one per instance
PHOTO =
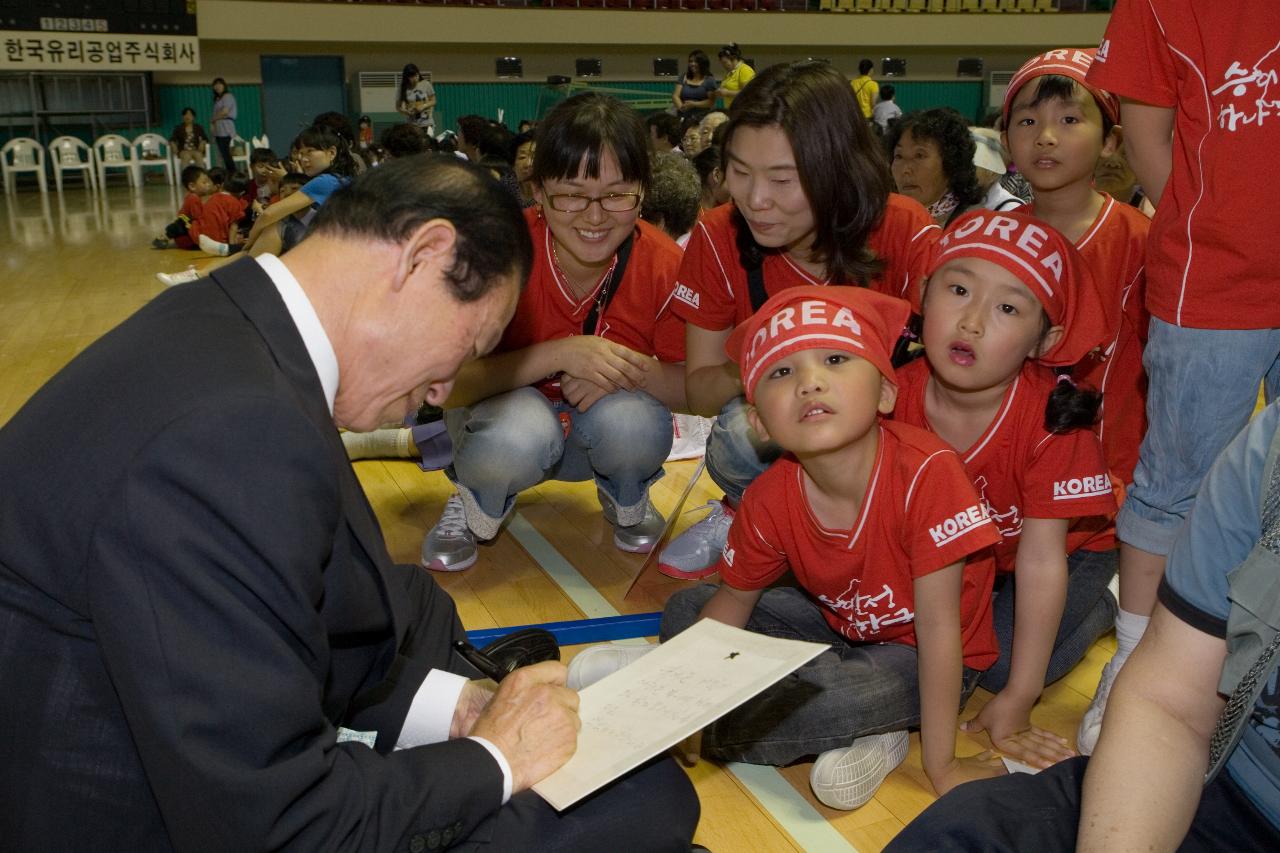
(194, 594)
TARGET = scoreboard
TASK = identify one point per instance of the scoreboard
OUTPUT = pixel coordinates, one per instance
(118, 17)
(98, 35)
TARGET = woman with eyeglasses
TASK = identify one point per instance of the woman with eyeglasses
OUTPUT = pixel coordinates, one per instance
(583, 382)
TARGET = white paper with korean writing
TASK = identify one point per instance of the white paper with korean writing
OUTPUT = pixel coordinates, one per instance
(683, 685)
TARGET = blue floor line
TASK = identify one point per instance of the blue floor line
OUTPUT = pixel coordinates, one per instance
(579, 631)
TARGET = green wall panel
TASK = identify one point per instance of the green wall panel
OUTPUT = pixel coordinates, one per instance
(170, 101)
(526, 100)
(963, 96)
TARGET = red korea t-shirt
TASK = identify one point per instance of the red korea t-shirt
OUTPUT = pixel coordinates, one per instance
(1115, 248)
(712, 291)
(1209, 263)
(1022, 470)
(920, 514)
(638, 315)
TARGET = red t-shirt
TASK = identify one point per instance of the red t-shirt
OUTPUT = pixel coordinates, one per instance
(1115, 248)
(221, 211)
(712, 291)
(920, 514)
(192, 207)
(1024, 471)
(638, 316)
(1209, 264)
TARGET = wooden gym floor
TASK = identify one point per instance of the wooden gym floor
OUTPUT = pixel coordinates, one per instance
(75, 266)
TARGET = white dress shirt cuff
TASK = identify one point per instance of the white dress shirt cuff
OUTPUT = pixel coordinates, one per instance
(502, 765)
(431, 715)
(431, 712)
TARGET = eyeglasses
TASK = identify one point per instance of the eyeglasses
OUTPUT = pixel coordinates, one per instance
(612, 202)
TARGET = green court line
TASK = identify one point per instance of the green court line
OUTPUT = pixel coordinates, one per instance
(801, 820)
(580, 591)
(792, 811)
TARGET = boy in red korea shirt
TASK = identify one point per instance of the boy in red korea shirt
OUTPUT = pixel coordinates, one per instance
(1057, 128)
(810, 205)
(1200, 97)
(876, 520)
(1009, 302)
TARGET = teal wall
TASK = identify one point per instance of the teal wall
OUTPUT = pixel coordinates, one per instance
(521, 100)
(170, 101)
(963, 96)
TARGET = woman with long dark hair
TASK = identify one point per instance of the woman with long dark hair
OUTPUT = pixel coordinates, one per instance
(695, 94)
(586, 376)
(416, 100)
(810, 206)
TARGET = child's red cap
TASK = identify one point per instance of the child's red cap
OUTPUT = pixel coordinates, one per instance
(1071, 62)
(854, 319)
(1046, 263)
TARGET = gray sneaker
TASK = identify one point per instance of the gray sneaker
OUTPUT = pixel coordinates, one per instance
(636, 538)
(696, 552)
(450, 546)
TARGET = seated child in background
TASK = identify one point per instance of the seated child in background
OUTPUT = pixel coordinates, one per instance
(365, 134)
(199, 188)
(876, 519)
(291, 183)
(266, 170)
(217, 229)
(1010, 300)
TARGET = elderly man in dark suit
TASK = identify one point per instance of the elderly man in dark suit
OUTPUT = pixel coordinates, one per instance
(203, 642)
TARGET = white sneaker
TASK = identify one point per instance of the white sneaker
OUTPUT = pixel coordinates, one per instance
(847, 778)
(591, 665)
(1091, 725)
(210, 246)
(170, 279)
(695, 553)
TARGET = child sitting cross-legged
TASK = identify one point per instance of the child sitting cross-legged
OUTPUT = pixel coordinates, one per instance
(876, 520)
(216, 230)
(199, 189)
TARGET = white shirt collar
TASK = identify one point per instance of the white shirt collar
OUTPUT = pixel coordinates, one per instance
(308, 322)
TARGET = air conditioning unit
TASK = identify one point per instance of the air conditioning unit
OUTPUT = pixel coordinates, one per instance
(377, 90)
(997, 85)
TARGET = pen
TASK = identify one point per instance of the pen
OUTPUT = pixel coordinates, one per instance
(487, 666)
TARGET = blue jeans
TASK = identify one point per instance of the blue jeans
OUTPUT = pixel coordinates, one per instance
(1088, 613)
(515, 440)
(1202, 385)
(735, 454)
(852, 690)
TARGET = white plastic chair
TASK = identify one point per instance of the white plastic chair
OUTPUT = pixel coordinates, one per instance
(113, 151)
(22, 155)
(151, 151)
(69, 154)
(241, 153)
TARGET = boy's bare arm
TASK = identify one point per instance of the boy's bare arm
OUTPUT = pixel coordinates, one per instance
(1148, 141)
(937, 624)
(731, 606)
